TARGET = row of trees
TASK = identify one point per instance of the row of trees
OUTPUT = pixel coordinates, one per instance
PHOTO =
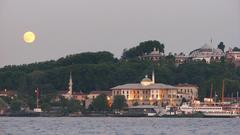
(142, 48)
(102, 71)
(102, 104)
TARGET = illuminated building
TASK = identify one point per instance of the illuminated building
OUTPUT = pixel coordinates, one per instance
(147, 92)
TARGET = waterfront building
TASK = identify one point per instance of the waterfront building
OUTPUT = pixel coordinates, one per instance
(70, 94)
(233, 57)
(147, 92)
(93, 94)
(155, 55)
(187, 91)
(8, 93)
(207, 53)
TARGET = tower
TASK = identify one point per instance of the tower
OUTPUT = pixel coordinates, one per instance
(70, 85)
(153, 77)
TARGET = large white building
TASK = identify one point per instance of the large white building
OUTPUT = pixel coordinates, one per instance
(233, 56)
(147, 92)
(207, 53)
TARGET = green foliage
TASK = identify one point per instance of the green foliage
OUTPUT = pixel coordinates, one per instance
(100, 104)
(15, 105)
(105, 72)
(119, 102)
(70, 106)
(3, 104)
(236, 49)
(221, 46)
(142, 48)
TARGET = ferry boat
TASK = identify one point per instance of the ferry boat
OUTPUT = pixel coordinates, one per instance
(192, 109)
(221, 114)
(211, 111)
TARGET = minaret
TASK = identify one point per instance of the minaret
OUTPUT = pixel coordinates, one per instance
(70, 85)
(153, 77)
(211, 43)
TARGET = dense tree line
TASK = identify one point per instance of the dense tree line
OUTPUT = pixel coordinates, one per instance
(101, 71)
(142, 48)
(236, 49)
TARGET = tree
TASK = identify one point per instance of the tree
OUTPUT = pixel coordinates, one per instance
(70, 106)
(119, 102)
(236, 49)
(221, 46)
(15, 105)
(74, 106)
(100, 103)
(142, 48)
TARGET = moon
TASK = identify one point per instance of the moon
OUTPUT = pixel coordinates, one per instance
(29, 37)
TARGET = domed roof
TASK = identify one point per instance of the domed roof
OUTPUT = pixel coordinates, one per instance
(146, 79)
(206, 46)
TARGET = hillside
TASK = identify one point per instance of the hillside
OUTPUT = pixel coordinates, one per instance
(101, 71)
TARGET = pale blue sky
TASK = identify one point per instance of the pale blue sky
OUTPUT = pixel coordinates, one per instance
(72, 26)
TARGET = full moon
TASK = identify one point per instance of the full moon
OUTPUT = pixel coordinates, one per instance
(29, 37)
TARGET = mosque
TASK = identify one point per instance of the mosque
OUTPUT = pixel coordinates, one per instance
(207, 53)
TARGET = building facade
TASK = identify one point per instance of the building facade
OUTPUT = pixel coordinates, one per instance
(187, 91)
(147, 92)
(155, 55)
(94, 94)
(233, 57)
(181, 58)
(207, 53)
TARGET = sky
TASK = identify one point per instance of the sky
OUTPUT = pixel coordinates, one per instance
(66, 27)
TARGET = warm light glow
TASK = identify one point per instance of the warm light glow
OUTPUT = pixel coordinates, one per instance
(150, 98)
(29, 37)
(108, 98)
(141, 98)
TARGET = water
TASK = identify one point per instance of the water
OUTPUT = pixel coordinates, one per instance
(118, 126)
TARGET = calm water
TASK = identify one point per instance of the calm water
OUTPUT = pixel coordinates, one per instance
(118, 126)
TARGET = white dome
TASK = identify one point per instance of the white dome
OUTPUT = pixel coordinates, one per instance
(206, 46)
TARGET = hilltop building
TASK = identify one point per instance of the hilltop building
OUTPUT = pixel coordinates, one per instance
(207, 53)
(147, 92)
(233, 57)
(181, 58)
(155, 55)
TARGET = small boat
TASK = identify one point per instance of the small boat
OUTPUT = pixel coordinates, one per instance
(141, 111)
